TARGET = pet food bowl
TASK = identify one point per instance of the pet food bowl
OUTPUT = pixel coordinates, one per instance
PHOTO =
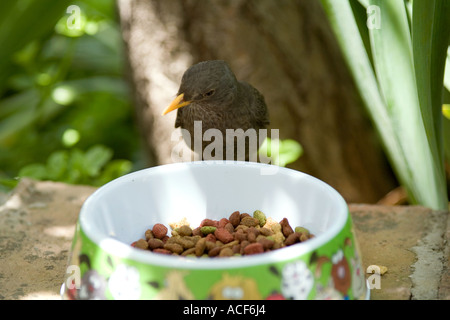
(104, 265)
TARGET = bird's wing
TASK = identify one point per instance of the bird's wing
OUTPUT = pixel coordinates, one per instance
(258, 105)
(262, 111)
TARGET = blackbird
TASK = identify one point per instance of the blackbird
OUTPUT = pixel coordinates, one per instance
(210, 93)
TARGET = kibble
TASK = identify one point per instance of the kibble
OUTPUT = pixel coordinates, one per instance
(286, 227)
(266, 243)
(226, 252)
(141, 244)
(159, 231)
(223, 235)
(174, 247)
(207, 229)
(301, 230)
(200, 247)
(238, 235)
(211, 238)
(260, 216)
(235, 218)
(253, 248)
(163, 251)
(184, 231)
(155, 243)
(214, 251)
(292, 238)
(149, 234)
(188, 252)
(209, 222)
(249, 221)
(223, 222)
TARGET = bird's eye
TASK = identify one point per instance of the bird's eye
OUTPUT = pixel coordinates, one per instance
(209, 93)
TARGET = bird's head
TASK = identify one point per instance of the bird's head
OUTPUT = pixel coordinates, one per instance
(208, 83)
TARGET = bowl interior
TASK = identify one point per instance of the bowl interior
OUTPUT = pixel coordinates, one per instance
(124, 208)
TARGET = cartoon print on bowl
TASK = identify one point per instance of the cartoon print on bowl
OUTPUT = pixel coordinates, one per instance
(124, 283)
(234, 287)
(340, 272)
(174, 287)
(327, 292)
(341, 276)
(358, 278)
(296, 281)
(92, 286)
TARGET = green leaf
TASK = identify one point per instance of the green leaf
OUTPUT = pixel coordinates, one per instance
(446, 111)
(57, 164)
(290, 150)
(114, 169)
(281, 152)
(95, 158)
(393, 58)
(36, 171)
(447, 71)
(362, 14)
(7, 185)
(265, 148)
(340, 16)
(430, 37)
(76, 172)
(446, 130)
(389, 88)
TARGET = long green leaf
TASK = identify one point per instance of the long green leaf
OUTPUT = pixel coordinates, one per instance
(430, 36)
(360, 14)
(447, 71)
(346, 30)
(393, 58)
(390, 92)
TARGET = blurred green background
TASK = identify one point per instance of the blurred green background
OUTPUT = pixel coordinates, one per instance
(65, 107)
(66, 110)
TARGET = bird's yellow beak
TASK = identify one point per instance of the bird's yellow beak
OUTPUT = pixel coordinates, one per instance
(178, 102)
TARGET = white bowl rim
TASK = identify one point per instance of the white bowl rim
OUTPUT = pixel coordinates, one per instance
(122, 250)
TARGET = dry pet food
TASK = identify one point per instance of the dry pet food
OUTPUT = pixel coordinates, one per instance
(240, 234)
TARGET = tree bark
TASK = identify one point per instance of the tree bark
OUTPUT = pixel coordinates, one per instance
(287, 51)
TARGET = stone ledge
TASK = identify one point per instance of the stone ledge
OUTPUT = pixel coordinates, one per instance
(37, 222)
(412, 242)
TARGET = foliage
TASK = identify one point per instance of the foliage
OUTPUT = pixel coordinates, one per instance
(63, 97)
(281, 152)
(92, 167)
(396, 51)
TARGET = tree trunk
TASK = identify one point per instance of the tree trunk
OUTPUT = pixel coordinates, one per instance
(287, 51)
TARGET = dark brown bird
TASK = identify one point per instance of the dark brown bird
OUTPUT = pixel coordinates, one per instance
(210, 93)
